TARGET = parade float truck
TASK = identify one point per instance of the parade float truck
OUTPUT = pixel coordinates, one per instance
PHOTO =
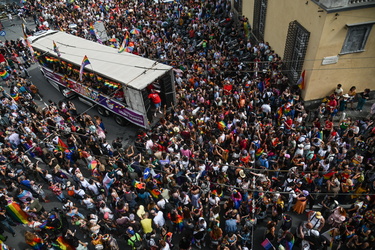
(114, 83)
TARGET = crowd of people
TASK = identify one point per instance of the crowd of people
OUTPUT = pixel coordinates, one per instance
(238, 149)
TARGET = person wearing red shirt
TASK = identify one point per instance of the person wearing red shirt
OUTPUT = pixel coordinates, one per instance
(288, 124)
(332, 105)
(328, 126)
(156, 100)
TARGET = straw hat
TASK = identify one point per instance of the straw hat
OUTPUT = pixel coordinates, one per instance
(242, 173)
(318, 215)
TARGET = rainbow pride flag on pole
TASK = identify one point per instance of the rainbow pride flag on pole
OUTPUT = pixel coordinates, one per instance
(61, 146)
(15, 211)
(125, 42)
(85, 62)
(56, 49)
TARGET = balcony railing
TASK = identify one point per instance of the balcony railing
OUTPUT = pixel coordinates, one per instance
(360, 1)
(343, 4)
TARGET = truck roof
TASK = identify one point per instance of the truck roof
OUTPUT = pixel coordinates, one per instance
(126, 68)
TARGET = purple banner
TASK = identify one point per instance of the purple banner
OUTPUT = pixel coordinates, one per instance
(99, 98)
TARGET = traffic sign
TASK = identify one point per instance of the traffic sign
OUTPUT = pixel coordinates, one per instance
(3, 33)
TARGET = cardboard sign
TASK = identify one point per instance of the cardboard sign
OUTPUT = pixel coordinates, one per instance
(101, 31)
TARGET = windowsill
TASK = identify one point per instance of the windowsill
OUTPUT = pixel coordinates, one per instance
(352, 52)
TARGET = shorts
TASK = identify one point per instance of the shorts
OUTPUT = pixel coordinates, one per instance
(157, 105)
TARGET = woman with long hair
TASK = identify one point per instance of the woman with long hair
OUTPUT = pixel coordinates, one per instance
(333, 185)
(337, 217)
(177, 219)
(300, 205)
(216, 235)
(34, 240)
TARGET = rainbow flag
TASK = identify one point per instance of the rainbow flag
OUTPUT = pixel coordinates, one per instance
(17, 214)
(93, 164)
(85, 62)
(36, 244)
(125, 42)
(301, 81)
(44, 224)
(61, 146)
(15, 96)
(129, 49)
(138, 185)
(327, 176)
(287, 111)
(62, 244)
(5, 75)
(155, 193)
(259, 152)
(56, 49)
(221, 125)
(92, 30)
(279, 113)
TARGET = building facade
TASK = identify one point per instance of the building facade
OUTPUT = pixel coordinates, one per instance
(333, 41)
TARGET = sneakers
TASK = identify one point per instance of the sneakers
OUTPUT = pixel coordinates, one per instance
(160, 112)
(14, 234)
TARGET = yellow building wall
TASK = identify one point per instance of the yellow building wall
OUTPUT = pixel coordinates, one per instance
(354, 69)
(248, 10)
(327, 35)
(280, 13)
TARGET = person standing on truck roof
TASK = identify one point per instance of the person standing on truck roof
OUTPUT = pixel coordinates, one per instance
(156, 100)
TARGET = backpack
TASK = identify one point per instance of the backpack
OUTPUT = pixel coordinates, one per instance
(137, 244)
(168, 207)
(100, 188)
(105, 149)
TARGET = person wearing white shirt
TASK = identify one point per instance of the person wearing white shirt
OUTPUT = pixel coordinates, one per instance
(161, 203)
(299, 150)
(158, 218)
(266, 108)
(213, 200)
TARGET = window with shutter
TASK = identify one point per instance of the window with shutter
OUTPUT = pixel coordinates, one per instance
(356, 38)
